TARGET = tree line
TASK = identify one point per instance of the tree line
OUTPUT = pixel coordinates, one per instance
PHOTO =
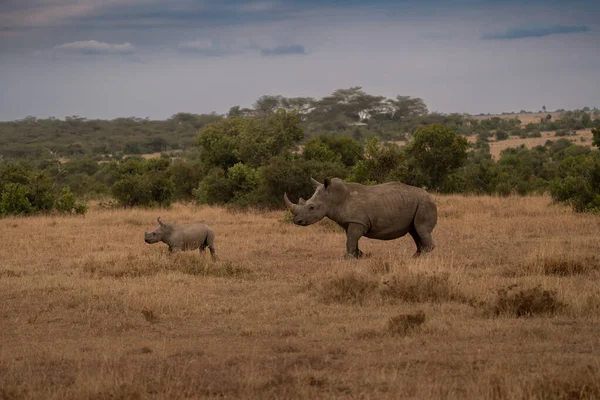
(250, 161)
(251, 156)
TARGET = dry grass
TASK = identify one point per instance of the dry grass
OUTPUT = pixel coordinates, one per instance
(404, 324)
(525, 118)
(581, 138)
(88, 310)
(515, 302)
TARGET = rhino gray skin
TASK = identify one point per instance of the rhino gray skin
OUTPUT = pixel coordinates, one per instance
(386, 211)
(183, 237)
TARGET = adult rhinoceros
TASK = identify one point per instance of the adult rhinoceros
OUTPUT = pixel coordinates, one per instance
(386, 211)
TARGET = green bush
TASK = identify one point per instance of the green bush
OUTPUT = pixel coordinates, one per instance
(579, 182)
(15, 200)
(330, 148)
(68, 204)
(437, 151)
(291, 175)
(501, 135)
(315, 149)
(66, 201)
(214, 188)
(564, 132)
(380, 164)
(132, 190)
(535, 134)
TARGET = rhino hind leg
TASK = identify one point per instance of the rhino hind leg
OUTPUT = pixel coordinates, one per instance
(210, 243)
(423, 224)
(423, 240)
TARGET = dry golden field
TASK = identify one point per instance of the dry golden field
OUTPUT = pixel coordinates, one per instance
(506, 307)
(524, 117)
(582, 138)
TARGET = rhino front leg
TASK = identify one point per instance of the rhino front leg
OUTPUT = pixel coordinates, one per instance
(353, 235)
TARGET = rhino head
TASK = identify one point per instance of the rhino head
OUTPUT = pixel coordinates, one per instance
(327, 196)
(159, 233)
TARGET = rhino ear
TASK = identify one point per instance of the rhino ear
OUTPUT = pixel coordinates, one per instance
(326, 183)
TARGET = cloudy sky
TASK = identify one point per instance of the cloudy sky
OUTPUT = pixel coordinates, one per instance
(151, 58)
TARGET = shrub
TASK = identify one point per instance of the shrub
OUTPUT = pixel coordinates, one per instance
(287, 174)
(379, 164)
(315, 149)
(579, 184)
(501, 135)
(535, 134)
(132, 190)
(67, 204)
(334, 149)
(66, 201)
(214, 188)
(564, 132)
(437, 151)
(15, 200)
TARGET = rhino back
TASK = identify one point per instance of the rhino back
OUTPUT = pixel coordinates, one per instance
(388, 210)
(189, 236)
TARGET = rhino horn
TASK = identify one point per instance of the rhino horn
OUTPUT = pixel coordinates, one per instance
(314, 181)
(291, 206)
(301, 201)
(159, 221)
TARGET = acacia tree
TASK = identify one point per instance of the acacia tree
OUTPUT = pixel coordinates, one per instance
(406, 106)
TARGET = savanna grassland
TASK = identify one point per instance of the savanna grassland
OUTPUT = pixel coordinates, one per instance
(506, 307)
(582, 137)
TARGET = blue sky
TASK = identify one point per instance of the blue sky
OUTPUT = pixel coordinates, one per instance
(151, 58)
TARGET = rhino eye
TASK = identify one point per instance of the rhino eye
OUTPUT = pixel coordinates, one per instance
(311, 207)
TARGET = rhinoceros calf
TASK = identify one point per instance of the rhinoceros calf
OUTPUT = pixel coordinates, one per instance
(386, 211)
(183, 237)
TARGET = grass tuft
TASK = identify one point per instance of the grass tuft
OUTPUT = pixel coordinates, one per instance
(368, 334)
(381, 267)
(219, 270)
(351, 288)
(132, 266)
(581, 384)
(514, 302)
(555, 266)
(420, 288)
(150, 316)
(403, 324)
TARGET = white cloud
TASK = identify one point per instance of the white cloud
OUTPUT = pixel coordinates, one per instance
(95, 47)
